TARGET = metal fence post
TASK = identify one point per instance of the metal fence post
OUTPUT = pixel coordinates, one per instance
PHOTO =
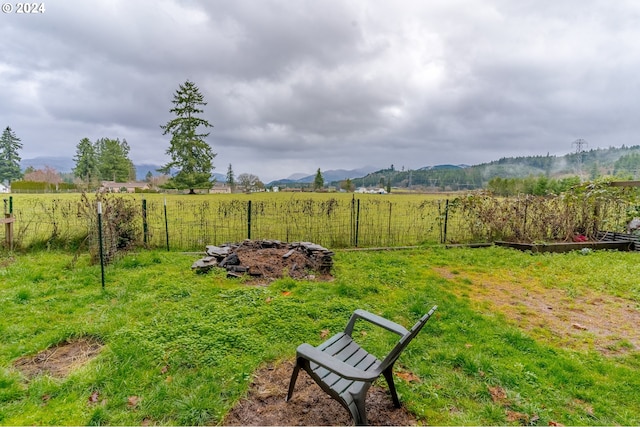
(446, 220)
(440, 218)
(145, 225)
(100, 242)
(249, 220)
(8, 223)
(357, 221)
(352, 230)
(166, 223)
(389, 226)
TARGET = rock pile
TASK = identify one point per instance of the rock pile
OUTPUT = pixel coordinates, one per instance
(268, 259)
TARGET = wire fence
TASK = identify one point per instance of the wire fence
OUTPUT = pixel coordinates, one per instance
(334, 223)
(190, 223)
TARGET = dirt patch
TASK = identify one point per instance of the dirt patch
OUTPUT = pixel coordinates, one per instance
(270, 264)
(265, 403)
(267, 260)
(604, 322)
(60, 360)
(6, 262)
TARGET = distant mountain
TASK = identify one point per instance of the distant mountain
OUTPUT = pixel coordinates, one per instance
(441, 167)
(328, 176)
(61, 164)
(143, 168)
(295, 177)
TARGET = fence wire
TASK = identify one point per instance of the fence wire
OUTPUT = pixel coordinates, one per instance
(191, 223)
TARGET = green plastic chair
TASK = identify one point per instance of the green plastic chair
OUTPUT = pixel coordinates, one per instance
(345, 371)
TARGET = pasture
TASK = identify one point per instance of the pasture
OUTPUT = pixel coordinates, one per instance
(191, 222)
(518, 339)
(334, 220)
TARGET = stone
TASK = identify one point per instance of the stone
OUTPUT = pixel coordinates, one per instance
(218, 251)
(231, 259)
(205, 263)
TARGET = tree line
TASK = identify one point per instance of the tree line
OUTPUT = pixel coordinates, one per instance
(107, 159)
(103, 160)
(527, 174)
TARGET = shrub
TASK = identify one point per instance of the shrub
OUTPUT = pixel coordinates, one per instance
(120, 229)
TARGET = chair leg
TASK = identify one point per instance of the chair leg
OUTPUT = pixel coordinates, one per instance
(359, 413)
(292, 383)
(388, 375)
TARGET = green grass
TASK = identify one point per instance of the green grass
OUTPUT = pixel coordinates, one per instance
(186, 345)
(58, 221)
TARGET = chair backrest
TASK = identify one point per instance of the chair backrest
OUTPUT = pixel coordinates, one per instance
(405, 340)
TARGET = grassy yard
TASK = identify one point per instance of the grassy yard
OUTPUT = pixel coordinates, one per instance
(517, 339)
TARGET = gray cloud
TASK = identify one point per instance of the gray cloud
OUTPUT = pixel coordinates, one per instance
(296, 85)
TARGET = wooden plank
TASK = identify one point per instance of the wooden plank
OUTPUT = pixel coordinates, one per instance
(568, 246)
(625, 184)
(7, 220)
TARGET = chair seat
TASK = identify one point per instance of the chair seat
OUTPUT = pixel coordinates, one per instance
(343, 348)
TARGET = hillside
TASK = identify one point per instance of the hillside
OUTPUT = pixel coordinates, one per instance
(623, 162)
(613, 161)
(333, 175)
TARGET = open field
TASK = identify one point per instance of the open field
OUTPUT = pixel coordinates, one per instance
(518, 339)
(336, 220)
(331, 219)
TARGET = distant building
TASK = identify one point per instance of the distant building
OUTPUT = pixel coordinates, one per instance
(122, 187)
(371, 191)
(4, 188)
(220, 189)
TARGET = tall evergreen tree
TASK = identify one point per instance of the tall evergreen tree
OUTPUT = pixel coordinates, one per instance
(113, 160)
(191, 157)
(231, 180)
(86, 161)
(9, 157)
(318, 182)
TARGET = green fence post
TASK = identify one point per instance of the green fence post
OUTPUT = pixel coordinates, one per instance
(352, 225)
(446, 220)
(166, 223)
(145, 225)
(389, 227)
(357, 221)
(249, 220)
(440, 218)
(100, 242)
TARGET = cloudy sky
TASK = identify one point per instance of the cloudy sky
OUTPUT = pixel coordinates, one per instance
(297, 85)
